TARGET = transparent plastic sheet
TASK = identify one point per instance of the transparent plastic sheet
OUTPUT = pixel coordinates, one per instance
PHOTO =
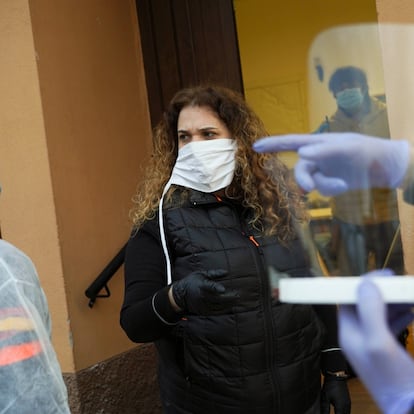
(370, 228)
(359, 230)
(30, 375)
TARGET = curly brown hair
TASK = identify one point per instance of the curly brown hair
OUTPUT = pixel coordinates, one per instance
(261, 182)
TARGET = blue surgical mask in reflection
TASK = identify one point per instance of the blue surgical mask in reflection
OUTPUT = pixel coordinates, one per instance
(350, 99)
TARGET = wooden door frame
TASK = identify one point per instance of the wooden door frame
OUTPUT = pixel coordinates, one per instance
(184, 43)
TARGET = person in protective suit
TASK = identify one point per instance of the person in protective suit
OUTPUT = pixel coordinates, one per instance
(30, 375)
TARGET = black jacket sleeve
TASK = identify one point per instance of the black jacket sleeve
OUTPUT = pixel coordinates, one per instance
(146, 313)
(332, 358)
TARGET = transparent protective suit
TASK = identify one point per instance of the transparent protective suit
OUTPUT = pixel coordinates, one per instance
(30, 375)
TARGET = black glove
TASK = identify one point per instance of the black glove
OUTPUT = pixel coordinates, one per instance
(199, 293)
(335, 392)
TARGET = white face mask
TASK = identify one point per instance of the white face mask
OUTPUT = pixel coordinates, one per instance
(205, 166)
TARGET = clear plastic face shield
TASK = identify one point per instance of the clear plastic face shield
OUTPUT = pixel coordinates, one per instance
(365, 225)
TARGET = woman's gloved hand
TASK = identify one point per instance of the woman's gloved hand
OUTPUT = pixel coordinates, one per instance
(367, 339)
(336, 162)
(335, 392)
(200, 293)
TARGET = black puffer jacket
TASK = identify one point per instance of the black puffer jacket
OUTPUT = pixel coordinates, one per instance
(259, 356)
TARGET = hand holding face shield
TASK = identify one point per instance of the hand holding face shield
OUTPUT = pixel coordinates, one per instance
(334, 163)
(367, 335)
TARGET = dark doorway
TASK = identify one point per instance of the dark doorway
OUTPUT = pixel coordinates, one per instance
(184, 43)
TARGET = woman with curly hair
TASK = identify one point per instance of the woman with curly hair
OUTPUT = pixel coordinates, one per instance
(212, 216)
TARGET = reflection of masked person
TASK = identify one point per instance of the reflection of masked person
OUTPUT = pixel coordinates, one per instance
(350, 99)
(365, 220)
(30, 376)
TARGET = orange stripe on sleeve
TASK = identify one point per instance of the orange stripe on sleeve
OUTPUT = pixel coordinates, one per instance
(16, 353)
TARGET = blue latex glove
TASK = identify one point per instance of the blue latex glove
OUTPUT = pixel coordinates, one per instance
(367, 337)
(336, 162)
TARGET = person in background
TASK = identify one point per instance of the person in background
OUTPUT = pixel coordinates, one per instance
(365, 221)
(208, 224)
(332, 165)
(30, 376)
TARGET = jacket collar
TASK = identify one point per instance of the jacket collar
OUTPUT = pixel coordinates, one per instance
(197, 197)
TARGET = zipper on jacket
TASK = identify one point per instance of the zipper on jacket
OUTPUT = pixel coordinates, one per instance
(253, 240)
(269, 343)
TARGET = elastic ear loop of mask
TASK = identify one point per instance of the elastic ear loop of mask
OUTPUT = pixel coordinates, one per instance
(162, 231)
(162, 234)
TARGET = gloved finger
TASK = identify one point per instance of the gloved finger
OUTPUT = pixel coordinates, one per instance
(325, 150)
(304, 171)
(329, 186)
(347, 314)
(215, 274)
(230, 295)
(289, 142)
(399, 316)
(212, 286)
(222, 302)
(371, 309)
(333, 144)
